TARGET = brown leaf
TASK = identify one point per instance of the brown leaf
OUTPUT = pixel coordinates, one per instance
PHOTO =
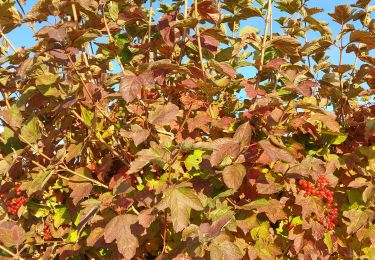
(80, 190)
(11, 234)
(305, 87)
(233, 176)
(223, 148)
(164, 114)
(119, 229)
(243, 134)
(131, 84)
(276, 153)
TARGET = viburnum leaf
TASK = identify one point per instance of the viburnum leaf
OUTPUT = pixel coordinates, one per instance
(180, 199)
(30, 130)
(131, 84)
(119, 229)
(163, 114)
(61, 216)
(193, 160)
(224, 250)
(276, 153)
(224, 147)
(233, 176)
(11, 234)
(273, 208)
(80, 187)
(243, 134)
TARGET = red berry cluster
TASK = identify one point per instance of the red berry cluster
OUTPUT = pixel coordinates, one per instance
(47, 233)
(14, 204)
(320, 190)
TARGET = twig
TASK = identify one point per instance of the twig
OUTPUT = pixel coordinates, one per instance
(263, 49)
(84, 177)
(8, 41)
(150, 57)
(10, 253)
(111, 40)
(198, 34)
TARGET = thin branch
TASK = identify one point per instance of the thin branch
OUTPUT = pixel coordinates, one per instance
(112, 41)
(8, 41)
(198, 34)
(84, 177)
(15, 256)
(150, 57)
(263, 49)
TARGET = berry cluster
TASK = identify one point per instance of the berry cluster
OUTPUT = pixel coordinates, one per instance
(47, 233)
(14, 204)
(320, 190)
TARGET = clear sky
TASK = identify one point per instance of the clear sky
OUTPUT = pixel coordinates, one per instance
(23, 36)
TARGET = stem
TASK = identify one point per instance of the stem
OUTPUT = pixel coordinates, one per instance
(8, 41)
(150, 57)
(164, 233)
(84, 177)
(183, 48)
(75, 16)
(198, 34)
(111, 40)
(15, 256)
(263, 49)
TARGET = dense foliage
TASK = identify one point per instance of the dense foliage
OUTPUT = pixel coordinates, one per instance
(127, 136)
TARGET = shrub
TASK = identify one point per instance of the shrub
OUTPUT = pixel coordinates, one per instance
(125, 137)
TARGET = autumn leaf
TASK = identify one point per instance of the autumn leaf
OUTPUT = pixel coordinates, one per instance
(233, 176)
(119, 229)
(163, 114)
(180, 200)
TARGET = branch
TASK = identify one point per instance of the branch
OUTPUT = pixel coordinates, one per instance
(8, 41)
(198, 34)
(263, 49)
(15, 256)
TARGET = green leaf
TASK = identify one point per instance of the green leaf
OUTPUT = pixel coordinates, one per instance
(87, 115)
(46, 79)
(61, 216)
(30, 130)
(193, 160)
(180, 199)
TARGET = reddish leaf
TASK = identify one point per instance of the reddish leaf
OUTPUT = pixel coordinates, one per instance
(119, 229)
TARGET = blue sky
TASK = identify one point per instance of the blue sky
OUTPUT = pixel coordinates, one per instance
(23, 36)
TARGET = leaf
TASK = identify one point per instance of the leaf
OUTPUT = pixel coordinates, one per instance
(38, 182)
(276, 153)
(342, 14)
(224, 148)
(11, 234)
(367, 38)
(46, 79)
(87, 115)
(207, 231)
(131, 84)
(272, 208)
(180, 199)
(243, 135)
(288, 45)
(225, 250)
(163, 114)
(358, 218)
(119, 229)
(30, 130)
(193, 160)
(61, 216)
(73, 151)
(224, 68)
(233, 176)
(80, 190)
